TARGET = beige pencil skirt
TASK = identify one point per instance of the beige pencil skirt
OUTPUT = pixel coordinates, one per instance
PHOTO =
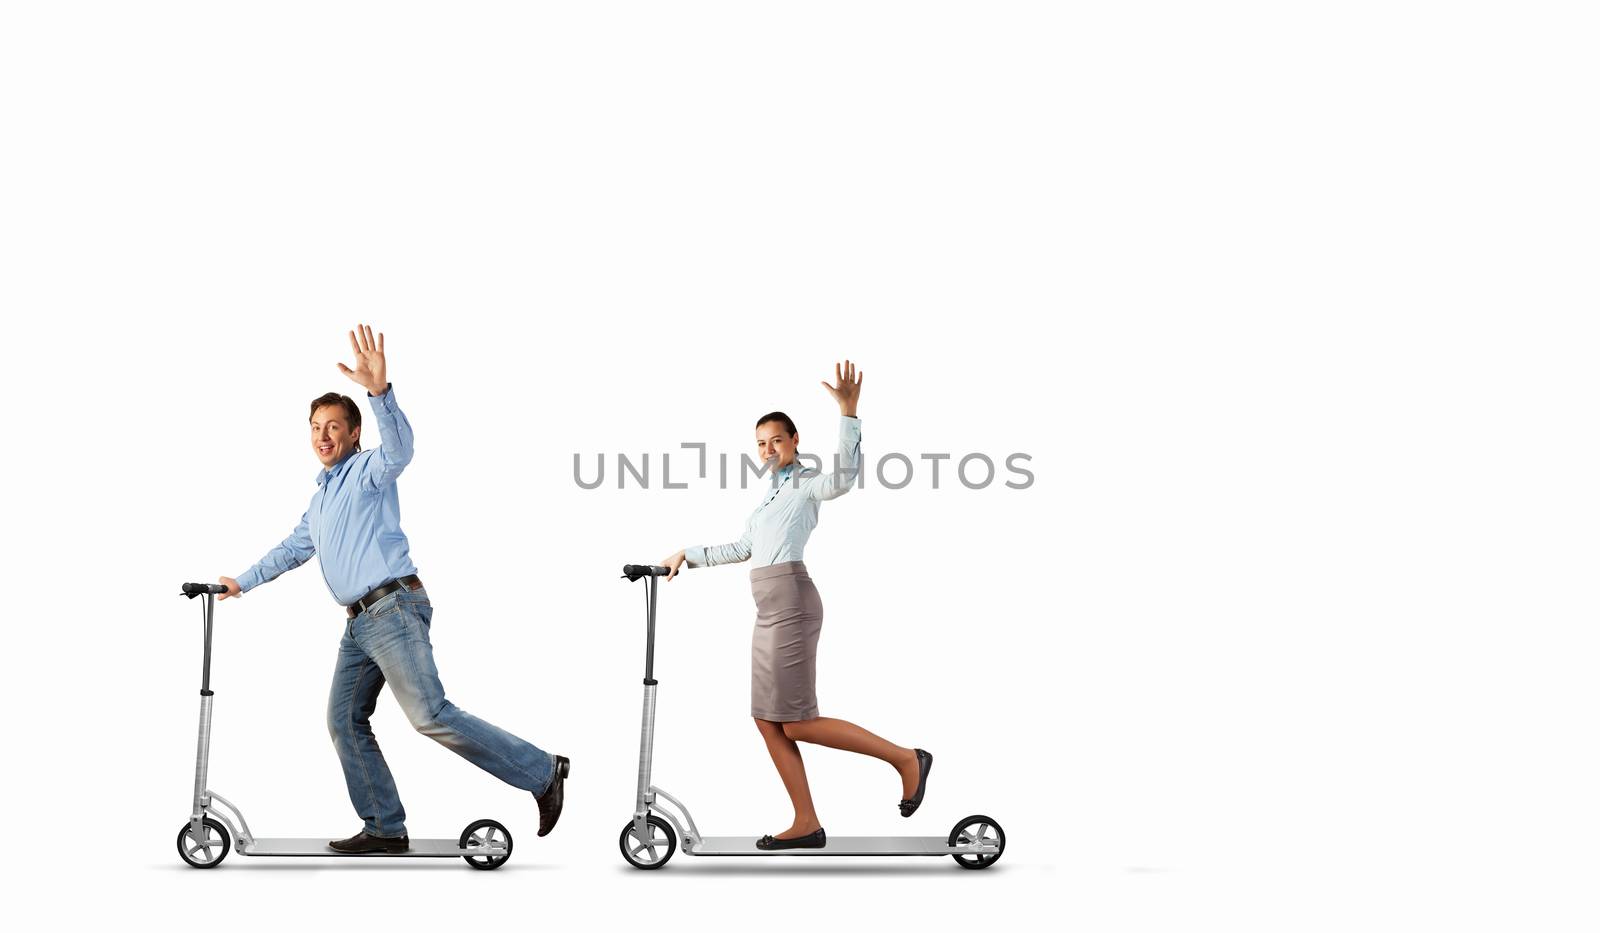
(783, 649)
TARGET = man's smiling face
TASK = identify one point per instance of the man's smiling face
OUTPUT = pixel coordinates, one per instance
(331, 436)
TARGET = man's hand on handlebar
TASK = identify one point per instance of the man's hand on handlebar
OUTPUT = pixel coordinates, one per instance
(231, 584)
(673, 563)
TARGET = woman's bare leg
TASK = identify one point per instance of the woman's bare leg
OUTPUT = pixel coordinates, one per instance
(837, 733)
(786, 756)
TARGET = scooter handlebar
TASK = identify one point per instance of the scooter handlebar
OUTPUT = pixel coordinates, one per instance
(635, 571)
(192, 590)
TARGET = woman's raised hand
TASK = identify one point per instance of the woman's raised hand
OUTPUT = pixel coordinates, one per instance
(673, 563)
(848, 388)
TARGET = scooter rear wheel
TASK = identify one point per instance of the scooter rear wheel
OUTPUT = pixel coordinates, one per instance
(643, 853)
(978, 830)
(198, 853)
(482, 834)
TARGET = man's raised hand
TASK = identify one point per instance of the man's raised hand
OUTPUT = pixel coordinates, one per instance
(371, 371)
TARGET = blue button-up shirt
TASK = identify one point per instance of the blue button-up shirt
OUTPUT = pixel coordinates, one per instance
(353, 524)
(780, 526)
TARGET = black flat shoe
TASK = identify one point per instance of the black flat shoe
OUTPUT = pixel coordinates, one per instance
(554, 796)
(361, 844)
(816, 840)
(924, 765)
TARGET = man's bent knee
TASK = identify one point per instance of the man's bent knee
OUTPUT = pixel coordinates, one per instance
(428, 720)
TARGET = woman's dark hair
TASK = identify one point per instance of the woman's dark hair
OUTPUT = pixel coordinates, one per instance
(779, 416)
(352, 414)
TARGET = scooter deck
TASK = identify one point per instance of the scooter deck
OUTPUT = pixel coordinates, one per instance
(841, 845)
(420, 848)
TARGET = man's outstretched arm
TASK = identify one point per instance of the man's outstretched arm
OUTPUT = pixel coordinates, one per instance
(294, 551)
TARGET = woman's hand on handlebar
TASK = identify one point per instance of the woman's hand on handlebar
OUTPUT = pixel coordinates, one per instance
(673, 563)
(231, 584)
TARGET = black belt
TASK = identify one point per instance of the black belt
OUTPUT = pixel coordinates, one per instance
(364, 603)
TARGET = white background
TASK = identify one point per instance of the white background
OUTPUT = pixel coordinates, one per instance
(1293, 307)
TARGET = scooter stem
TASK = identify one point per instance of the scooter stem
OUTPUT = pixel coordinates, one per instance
(202, 755)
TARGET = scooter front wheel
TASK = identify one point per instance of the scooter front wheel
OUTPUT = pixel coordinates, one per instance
(982, 831)
(490, 836)
(646, 854)
(208, 851)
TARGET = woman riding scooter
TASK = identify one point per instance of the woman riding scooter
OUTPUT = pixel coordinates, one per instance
(783, 662)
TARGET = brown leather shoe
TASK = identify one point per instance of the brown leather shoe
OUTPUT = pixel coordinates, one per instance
(361, 844)
(553, 797)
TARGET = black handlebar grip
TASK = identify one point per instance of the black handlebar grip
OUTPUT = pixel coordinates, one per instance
(635, 571)
(192, 590)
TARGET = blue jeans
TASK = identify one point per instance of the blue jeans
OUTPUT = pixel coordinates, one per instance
(389, 643)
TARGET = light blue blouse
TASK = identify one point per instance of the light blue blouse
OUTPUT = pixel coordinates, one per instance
(779, 527)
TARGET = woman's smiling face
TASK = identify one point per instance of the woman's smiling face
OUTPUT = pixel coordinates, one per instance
(775, 445)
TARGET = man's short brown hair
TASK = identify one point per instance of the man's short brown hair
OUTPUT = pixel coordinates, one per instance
(352, 414)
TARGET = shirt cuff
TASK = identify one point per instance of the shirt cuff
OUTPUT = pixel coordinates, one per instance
(248, 580)
(386, 398)
(695, 556)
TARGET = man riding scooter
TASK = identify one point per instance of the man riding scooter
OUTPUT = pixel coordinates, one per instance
(353, 528)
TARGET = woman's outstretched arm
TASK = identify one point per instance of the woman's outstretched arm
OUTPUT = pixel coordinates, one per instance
(730, 553)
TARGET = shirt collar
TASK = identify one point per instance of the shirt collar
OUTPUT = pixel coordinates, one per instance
(324, 475)
(778, 480)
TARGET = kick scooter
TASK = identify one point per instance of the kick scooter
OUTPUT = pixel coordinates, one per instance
(204, 841)
(648, 840)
